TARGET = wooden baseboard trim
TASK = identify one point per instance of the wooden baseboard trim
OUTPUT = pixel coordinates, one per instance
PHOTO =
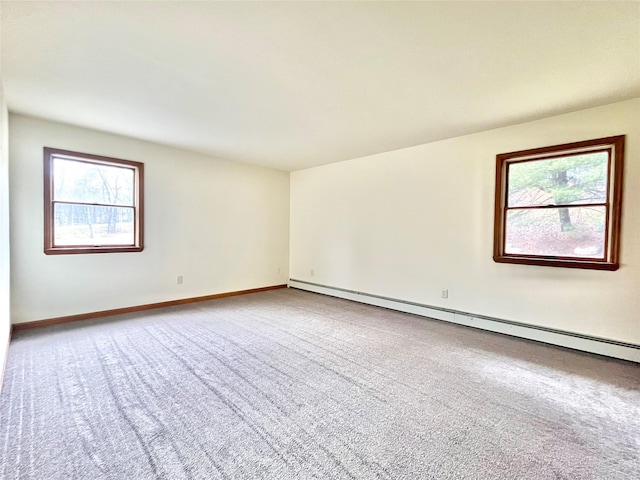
(118, 311)
(3, 364)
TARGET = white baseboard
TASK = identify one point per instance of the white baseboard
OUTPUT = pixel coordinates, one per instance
(586, 343)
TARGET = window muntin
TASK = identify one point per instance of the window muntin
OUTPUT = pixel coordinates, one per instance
(560, 206)
(93, 204)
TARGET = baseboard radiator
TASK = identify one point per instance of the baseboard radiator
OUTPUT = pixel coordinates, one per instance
(576, 341)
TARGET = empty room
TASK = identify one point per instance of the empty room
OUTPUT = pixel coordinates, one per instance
(331, 240)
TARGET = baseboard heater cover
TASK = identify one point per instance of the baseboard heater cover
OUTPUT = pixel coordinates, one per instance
(575, 341)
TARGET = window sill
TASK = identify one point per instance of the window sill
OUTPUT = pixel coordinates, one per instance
(92, 249)
(556, 262)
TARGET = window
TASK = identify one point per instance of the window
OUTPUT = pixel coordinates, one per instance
(560, 206)
(92, 204)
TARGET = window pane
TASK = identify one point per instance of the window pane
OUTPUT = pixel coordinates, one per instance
(92, 183)
(93, 225)
(559, 181)
(568, 232)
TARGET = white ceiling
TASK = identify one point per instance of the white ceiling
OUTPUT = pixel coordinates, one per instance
(293, 85)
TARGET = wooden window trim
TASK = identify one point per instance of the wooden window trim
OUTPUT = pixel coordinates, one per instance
(613, 203)
(138, 203)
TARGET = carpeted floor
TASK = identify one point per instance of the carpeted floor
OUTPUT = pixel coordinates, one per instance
(287, 384)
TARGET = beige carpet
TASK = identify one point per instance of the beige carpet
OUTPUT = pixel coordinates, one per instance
(287, 384)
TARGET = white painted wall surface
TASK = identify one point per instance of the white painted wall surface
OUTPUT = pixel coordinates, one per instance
(408, 223)
(223, 225)
(5, 307)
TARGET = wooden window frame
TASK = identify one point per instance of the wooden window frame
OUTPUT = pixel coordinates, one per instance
(49, 222)
(613, 203)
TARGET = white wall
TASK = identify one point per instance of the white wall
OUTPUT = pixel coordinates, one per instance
(223, 225)
(408, 223)
(5, 308)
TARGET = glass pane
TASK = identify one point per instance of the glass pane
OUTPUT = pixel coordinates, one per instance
(568, 232)
(93, 225)
(92, 183)
(559, 181)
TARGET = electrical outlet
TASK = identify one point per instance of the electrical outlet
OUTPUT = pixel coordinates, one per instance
(445, 293)
(179, 280)
(278, 270)
(312, 272)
